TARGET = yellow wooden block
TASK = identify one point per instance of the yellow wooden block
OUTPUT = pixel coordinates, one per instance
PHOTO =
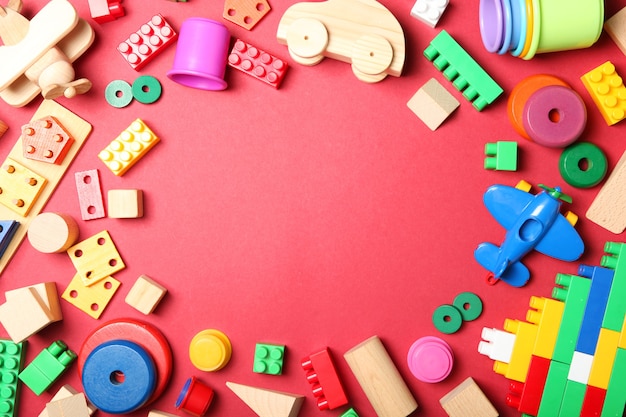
(467, 400)
(19, 186)
(268, 403)
(125, 204)
(24, 314)
(72, 406)
(546, 313)
(603, 358)
(47, 293)
(93, 299)
(66, 391)
(96, 258)
(128, 148)
(145, 294)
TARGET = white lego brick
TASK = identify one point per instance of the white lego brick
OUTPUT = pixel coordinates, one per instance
(429, 11)
(580, 368)
(496, 344)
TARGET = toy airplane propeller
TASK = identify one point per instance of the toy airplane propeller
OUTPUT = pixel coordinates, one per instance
(532, 222)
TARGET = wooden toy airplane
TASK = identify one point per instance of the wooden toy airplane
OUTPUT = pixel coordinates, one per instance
(37, 55)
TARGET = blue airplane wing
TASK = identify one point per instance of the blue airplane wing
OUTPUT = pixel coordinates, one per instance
(506, 203)
(561, 241)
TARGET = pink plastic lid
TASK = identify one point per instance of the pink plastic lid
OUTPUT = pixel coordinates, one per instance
(430, 359)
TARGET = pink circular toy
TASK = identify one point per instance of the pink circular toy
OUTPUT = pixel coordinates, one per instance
(492, 20)
(430, 359)
(554, 116)
(201, 52)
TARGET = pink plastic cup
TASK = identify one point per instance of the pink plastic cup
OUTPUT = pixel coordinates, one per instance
(201, 54)
(430, 359)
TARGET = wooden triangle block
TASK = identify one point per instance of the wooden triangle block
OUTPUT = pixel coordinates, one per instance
(268, 403)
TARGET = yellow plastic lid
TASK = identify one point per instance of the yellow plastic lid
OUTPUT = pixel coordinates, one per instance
(210, 350)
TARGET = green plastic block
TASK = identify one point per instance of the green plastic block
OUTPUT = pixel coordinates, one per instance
(462, 70)
(268, 359)
(47, 367)
(573, 399)
(616, 305)
(350, 413)
(553, 390)
(615, 400)
(574, 293)
(501, 156)
(11, 360)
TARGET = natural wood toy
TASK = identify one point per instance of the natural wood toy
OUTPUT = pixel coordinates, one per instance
(37, 55)
(361, 32)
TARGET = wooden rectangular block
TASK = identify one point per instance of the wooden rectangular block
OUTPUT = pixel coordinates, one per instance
(145, 294)
(125, 204)
(96, 258)
(432, 103)
(47, 293)
(24, 314)
(467, 400)
(72, 406)
(608, 209)
(89, 194)
(380, 379)
(93, 299)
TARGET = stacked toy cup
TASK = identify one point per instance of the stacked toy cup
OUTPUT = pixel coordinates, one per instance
(528, 27)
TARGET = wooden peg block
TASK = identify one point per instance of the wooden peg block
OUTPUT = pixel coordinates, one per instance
(268, 403)
(66, 391)
(467, 400)
(145, 294)
(3, 128)
(89, 194)
(24, 314)
(432, 103)
(52, 232)
(608, 209)
(47, 294)
(380, 379)
(20, 186)
(125, 204)
(96, 258)
(46, 140)
(72, 406)
(93, 299)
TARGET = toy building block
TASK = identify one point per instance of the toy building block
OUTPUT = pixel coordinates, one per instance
(574, 291)
(149, 41)
(257, 63)
(429, 11)
(594, 401)
(47, 367)
(128, 148)
(580, 368)
(608, 209)
(96, 258)
(614, 399)
(462, 70)
(615, 27)
(363, 33)
(268, 359)
(89, 194)
(554, 389)
(19, 187)
(326, 385)
(546, 314)
(268, 403)
(52, 232)
(67, 391)
(350, 413)
(103, 11)
(7, 231)
(145, 294)
(46, 140)
(92, 299)
(467, 400)
(573, 397)
(433, 104)
(245, 13)
(525, 339)
(39, 53)
(11, 361)
(615, 259)
(125, 204)
(608, 92)
(24, 314)
(72, 406)
(3, 128)
(526, 397)
(496, 344)
(157, 413)
(601, 282)
(604, 358)
(46, 292)
(501, 156)
(380, 379)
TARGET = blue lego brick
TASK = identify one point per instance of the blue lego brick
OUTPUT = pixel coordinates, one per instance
(601, 280)
(11, 360)
(616, 305)
(554, 390)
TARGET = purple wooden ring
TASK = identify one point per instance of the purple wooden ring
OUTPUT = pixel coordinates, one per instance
(554, 116)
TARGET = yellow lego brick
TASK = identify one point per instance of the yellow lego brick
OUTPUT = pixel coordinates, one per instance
(546, 313)
(128, 148)
(525, 338)
(93, 299)
(608, 92)
(19, 186)
(96, 258)
(622, 337)
(604, 358)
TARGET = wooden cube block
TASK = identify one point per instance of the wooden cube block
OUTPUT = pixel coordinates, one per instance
(615, 27)
(66, 391)
(125, 204)
(72, 406)
(47, 293)
(467, 400)
(433, 104)
(145, 294)
(24, 314)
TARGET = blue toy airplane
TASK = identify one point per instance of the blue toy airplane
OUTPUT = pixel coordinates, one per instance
(532, 222)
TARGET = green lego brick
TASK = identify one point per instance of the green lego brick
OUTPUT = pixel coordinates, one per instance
(268, 359)
(350, 413)
(11, 360)
(462, 70)
(573, 398)
(615, 400)
(554, 390)
(574, 294)
(501, 156)
(616, 305)
(47, 367)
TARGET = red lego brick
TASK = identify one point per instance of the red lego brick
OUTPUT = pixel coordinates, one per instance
(527, 397)
(46, 140)
(593, 402)
(103, 11)
(322, 375)
(151, 39)
(257, 63)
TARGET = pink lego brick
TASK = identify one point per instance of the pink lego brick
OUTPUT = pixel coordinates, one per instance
(151, 39)
(257, 63)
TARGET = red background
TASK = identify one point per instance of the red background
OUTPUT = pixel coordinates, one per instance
(315, 215)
